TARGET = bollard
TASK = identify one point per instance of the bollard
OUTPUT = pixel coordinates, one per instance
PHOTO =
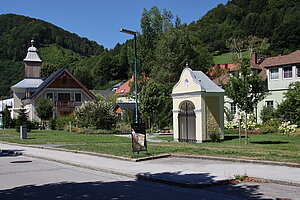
(23, 132)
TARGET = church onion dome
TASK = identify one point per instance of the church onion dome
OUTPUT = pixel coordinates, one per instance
(32, 55)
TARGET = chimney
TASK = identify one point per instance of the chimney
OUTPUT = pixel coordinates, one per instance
(254, 57)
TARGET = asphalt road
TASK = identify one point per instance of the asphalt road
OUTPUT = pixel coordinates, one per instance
(30, 178)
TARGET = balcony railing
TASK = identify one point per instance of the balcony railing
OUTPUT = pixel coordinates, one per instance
(69, 104)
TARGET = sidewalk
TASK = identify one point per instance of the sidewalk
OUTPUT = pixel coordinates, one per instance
(177, 171)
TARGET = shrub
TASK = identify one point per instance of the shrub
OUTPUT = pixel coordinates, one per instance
(52, 123)
(287, 128)
(251, 124)
(267, 113)
(270, 126)
(289, 109)
(35, 125)
(62, 122)
(231, 125)
(96, 115)
(6, 118)
(215, 137)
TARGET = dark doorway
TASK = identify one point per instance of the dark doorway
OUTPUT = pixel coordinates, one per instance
(187, 122)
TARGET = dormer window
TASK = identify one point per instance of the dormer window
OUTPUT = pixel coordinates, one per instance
(274, 74)
(287, 72)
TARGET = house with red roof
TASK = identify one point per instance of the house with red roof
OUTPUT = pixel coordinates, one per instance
(278, 72)
(123, 90)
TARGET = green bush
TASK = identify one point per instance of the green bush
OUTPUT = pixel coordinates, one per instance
(215, 137)
(270, 126)
(96, 115)
(35, 125)
(267, 113)
(62, 122)
(289, 108)
(52, 123)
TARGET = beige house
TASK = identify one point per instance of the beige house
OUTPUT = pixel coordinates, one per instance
(61, 87)
(278, 72)
(198, 108)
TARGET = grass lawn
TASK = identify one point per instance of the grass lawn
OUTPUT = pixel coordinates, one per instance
(58, 137)
(273, 147)
(227, 57)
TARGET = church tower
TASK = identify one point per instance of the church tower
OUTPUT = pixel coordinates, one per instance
(32, 63)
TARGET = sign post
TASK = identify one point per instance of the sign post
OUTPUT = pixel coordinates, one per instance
(138, 133)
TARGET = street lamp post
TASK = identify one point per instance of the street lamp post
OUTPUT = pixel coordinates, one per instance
(136, 120)
(139, 142)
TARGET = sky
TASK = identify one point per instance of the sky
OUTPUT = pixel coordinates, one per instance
(101, 20)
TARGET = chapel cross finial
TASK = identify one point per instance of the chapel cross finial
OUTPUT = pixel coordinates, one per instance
(32, 41)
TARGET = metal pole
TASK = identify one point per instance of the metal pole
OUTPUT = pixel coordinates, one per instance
(136, 82)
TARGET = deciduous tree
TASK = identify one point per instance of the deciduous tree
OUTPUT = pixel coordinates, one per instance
(245, 88)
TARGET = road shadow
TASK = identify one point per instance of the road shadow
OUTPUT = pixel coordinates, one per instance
(10, 152)
(184, 180)
(132, 189)
(270, 142)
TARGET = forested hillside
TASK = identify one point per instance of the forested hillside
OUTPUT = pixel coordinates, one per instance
(15, 34)
(271, 25)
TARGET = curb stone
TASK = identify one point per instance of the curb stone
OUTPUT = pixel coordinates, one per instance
(263, 162)
(182, 184)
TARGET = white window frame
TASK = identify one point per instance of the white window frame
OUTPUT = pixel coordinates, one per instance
(272, 72)
(297, 71)
(283, 70)
(268, 105)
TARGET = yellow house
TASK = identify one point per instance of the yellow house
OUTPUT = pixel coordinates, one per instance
(198, 108)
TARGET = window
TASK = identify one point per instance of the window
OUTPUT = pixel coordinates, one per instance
(269, 104)
(233, 108)
(77, 96)
(287, 72)
(64, 97)
(274, 74)
(186, 83)
(298, 71)
(49, 96)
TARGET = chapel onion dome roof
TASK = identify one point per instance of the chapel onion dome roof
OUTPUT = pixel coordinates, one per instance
(32, 54)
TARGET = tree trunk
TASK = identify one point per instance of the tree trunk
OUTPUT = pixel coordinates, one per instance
(246, 133)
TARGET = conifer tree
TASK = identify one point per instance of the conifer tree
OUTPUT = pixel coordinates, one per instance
(22, 119)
